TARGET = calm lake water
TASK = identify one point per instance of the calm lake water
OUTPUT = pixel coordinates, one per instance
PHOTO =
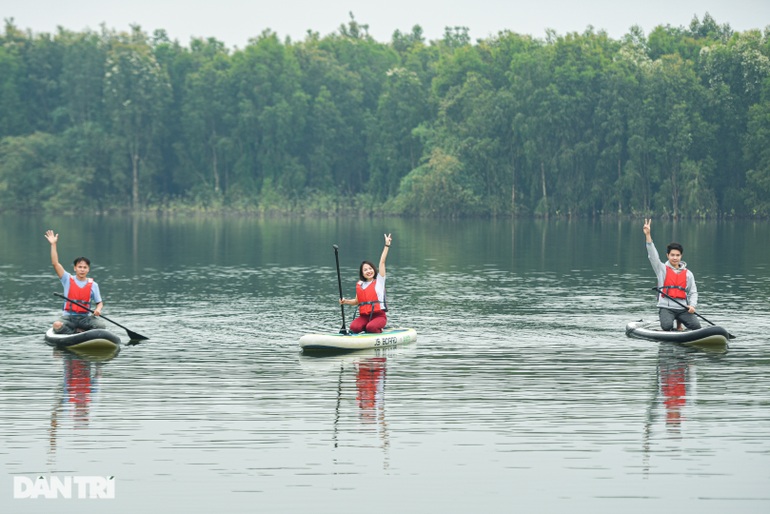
(522, 392)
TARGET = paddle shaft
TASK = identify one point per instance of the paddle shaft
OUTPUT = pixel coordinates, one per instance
(133, 335)
(660, 290)
(344, 329)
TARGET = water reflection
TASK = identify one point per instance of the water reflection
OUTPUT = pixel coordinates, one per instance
(673, 379)
(370, 388)
(360, 375)
(522, 375)
(80, 384)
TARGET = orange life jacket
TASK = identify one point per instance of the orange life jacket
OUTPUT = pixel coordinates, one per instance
(675, 284)
(81, 294)
(365, 298)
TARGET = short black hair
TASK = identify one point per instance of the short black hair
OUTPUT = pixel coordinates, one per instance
(79, 259)
(674, 246)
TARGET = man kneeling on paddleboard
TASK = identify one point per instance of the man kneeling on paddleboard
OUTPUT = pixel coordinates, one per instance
(84, 290)
(676, 285)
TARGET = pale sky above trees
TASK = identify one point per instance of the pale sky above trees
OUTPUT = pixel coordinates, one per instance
(234, 22)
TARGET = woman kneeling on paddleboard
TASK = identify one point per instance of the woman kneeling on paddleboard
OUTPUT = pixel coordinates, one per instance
(370, 296)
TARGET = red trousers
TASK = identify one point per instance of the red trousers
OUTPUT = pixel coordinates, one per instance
(375, 326)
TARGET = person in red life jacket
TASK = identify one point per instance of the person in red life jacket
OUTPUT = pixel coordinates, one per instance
(676, 281)
(370, 296)
(75, 318)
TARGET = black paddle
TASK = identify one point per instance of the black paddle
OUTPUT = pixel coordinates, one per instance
(132, 335)
(344, 329)
(660, 290)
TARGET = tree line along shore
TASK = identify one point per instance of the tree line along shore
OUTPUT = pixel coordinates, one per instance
(672, 123)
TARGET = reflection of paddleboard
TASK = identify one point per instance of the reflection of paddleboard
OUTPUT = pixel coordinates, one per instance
(340, 342)
(713, 338)
(90, 339)
(325, 362)
(94, 354)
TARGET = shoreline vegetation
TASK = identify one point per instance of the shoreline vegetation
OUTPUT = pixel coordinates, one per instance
(321, 206)
(670, 124)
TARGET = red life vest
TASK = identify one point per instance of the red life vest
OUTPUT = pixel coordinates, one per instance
(81, 294)
(365, 296)
(675, 285)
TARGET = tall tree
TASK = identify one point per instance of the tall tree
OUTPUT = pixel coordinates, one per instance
(136, 89)
(207, 117)
(757, 152)
(82, 77)
(14, 118)
(393, 148)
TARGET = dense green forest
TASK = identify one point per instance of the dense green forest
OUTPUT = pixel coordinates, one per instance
(671, 123)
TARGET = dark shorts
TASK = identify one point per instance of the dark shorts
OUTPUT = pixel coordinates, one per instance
(72, 324)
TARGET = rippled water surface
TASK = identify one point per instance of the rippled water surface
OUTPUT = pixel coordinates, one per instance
(522, 392)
